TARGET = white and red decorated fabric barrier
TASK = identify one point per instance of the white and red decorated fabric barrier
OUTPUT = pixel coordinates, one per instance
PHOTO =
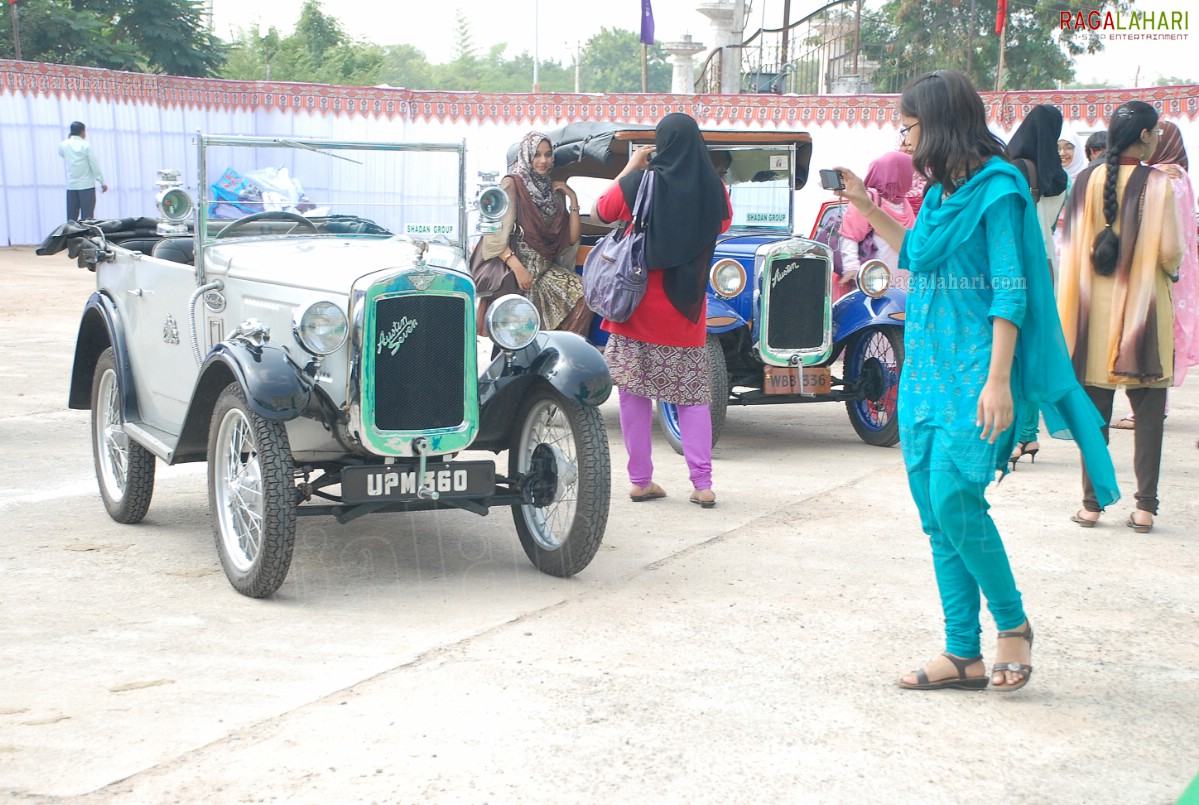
(138, 123)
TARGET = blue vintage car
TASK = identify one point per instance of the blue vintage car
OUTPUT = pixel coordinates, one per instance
(774, 334)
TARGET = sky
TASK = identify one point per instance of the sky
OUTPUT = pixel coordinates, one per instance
(553, 28)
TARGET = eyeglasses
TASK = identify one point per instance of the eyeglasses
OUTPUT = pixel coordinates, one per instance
(903, 132)
(1159, 132)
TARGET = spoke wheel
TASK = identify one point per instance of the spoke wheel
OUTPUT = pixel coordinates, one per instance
(252, 495)
(124, 469)
(560, 450)
(718, 379)
(872, 364)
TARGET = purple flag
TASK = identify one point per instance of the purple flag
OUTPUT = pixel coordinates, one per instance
(647, 23)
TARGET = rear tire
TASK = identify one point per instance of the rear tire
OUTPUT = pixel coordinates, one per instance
(124, 469)
(718, 380)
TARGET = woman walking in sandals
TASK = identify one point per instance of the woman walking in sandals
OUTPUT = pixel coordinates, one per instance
(983, 342)
(658, 353)
(1123, 247)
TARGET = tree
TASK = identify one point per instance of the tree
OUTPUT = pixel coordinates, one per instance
(318, 52)
(612, 63)
(405, 66)
(162, 36)
(910, 37)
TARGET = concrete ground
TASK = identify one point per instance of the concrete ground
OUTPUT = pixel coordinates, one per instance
(744, 653)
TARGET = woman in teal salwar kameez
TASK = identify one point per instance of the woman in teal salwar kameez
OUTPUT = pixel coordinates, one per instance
(982, 343)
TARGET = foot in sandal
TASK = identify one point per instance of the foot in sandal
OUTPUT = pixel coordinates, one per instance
(947, 671)
(651, 491)
(1013, 659)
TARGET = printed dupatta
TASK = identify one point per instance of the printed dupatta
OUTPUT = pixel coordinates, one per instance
(1149, 239)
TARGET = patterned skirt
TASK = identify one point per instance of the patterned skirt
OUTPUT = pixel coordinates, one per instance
(676, 375)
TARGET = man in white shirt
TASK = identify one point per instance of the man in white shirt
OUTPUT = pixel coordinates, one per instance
(83, 174)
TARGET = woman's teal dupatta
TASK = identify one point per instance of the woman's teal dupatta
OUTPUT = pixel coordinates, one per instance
(1046, 375)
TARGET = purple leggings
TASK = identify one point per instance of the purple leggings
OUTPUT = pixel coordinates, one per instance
(695, 424)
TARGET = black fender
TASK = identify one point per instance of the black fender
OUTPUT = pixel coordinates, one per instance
(275, 388)
(101, 327)
(566, 361)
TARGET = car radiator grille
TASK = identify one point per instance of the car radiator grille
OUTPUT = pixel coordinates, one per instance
(418, 362)
(797, 302)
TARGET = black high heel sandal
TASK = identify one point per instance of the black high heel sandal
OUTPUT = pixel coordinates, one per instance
(1024, 451)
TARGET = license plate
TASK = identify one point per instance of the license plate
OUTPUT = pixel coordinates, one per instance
(797, 380)
(398, 483)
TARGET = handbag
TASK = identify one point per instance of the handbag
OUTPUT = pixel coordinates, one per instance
(493, 277)
(615, 272)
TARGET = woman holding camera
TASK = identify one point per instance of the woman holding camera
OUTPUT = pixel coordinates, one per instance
(982, 342)
(658, 352)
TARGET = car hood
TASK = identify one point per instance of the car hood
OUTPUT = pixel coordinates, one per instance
(319, 263)
(741, 246)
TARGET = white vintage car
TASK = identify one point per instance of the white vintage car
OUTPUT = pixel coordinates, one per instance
(316, 345)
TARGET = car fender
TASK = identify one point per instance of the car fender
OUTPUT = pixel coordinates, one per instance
(101, 327)
(856, 311)
(722, 316)
(566, 361)
(275, 388)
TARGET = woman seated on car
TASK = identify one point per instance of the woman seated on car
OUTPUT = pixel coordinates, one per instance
(888, 181)
(538, 258)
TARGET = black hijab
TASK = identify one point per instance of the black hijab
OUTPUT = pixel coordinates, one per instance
(689, 206)
(1036, 140)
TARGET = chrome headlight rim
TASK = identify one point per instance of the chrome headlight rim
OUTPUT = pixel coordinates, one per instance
(512, 322)
(492, 203)
(304, 323)
(874, 278)
(722, 268)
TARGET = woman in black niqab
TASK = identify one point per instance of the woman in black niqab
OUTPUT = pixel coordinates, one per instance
(689, 208)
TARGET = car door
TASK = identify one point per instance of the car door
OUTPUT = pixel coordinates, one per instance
(159, 341)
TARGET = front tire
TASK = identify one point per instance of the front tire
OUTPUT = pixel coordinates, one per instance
(251, 492)
(718, 380)
(873, 361)
(124, 469)
(561, 450)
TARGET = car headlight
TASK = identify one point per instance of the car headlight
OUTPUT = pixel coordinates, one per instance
(727, 278)
(874, 278)
(320, 328)
(512, 321)
(493, 204)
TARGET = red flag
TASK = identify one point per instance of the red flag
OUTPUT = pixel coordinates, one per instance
(1000, 16)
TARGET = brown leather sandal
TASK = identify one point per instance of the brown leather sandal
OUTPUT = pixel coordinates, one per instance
(961, 681)
(652, 491)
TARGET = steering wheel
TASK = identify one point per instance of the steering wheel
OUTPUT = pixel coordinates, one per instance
(269, 215)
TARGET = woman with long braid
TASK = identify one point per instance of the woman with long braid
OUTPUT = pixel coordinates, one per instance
(1123, 247)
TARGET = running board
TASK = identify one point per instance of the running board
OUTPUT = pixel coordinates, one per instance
(158, 442)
